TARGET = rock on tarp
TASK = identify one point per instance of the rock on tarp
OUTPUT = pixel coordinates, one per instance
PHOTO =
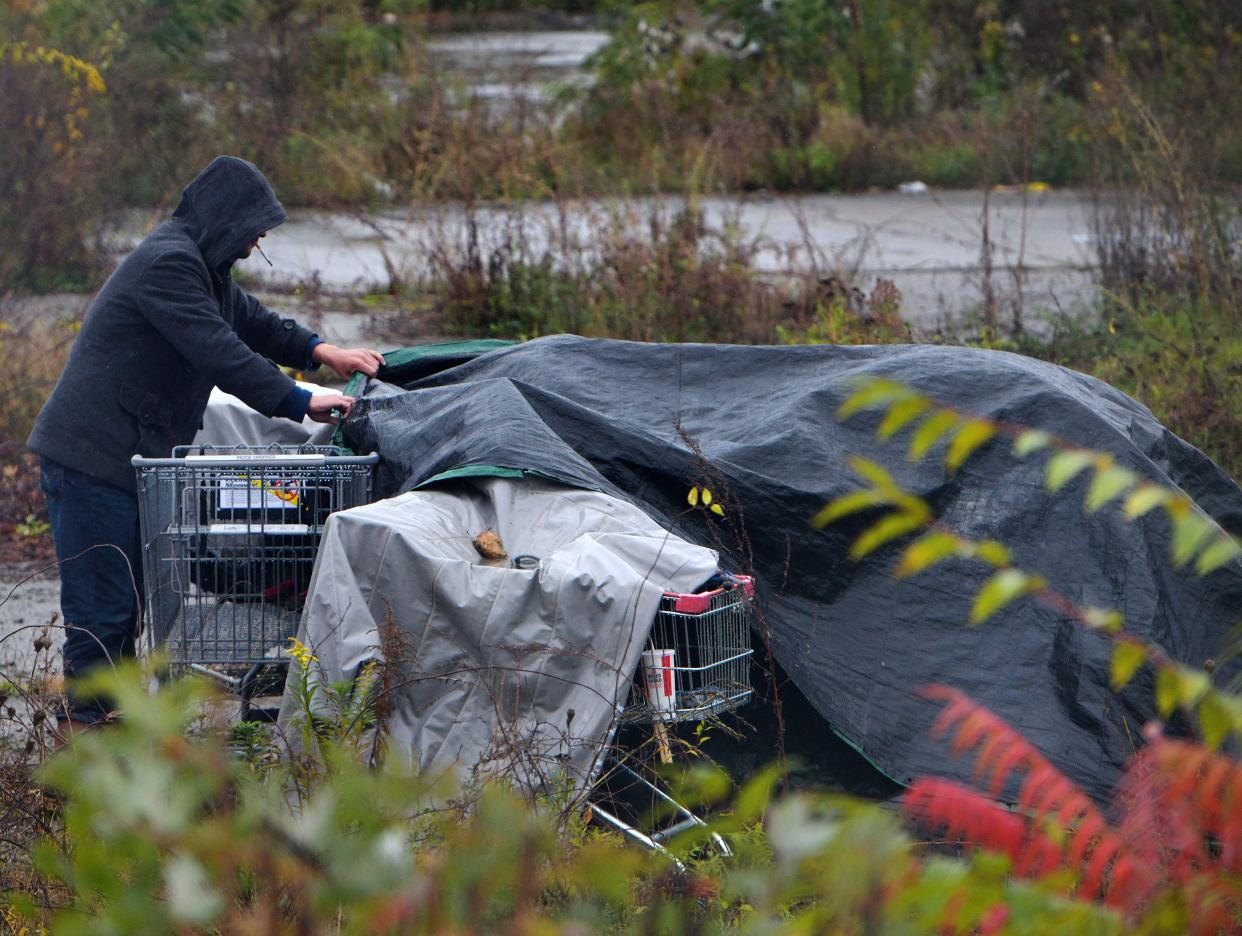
(614, 416)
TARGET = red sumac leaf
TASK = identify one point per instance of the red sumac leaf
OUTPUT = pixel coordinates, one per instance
(1093, 875)
(994, 920)
(971, 731)
(1005, 764)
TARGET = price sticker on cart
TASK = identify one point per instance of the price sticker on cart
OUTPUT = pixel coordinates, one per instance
(247, 492)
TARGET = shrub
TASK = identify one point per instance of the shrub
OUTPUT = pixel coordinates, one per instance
(50, 169)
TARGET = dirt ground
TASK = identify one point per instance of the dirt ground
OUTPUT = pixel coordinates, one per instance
(29, 599)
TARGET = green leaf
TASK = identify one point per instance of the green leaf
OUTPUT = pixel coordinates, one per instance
(1221, 552)
(968, 438)
(753, 799)
(1167, 691)
(1214, 721)
(1103, 619)
(1063, 466)
(1128, 656)
(1000, 590)
(873, 393)
(930, 432)
(1189, 535)
(900, 415)
(1144, 498)
(927, 551)
(894, 525)
(848, 504)
(1030, 441)
(1108, 485)
(993, 553)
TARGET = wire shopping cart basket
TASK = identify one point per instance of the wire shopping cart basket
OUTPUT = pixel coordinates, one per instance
(696, 665)
(229, 537)
(697, 661)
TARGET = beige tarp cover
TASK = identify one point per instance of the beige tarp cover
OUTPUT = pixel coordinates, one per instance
(499, 670)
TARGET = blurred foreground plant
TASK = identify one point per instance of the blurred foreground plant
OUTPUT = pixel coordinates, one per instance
(166, 831)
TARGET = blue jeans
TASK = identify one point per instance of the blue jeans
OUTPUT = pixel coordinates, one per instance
(95, 526)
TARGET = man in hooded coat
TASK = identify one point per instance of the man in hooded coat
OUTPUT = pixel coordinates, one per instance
(167, 326)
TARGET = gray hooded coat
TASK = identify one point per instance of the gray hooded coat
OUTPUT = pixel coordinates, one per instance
(168, 325)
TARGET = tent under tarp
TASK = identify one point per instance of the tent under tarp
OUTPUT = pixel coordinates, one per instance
(495, 669)
(625, 419)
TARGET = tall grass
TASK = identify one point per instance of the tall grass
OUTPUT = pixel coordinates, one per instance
(638, 269)
(1167, 247)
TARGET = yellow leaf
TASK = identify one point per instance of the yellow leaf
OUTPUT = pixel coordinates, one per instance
(1108, 485)
(1167, 691)
(1223, 551)
(873, 393)
(1128, 656)
(1103, 619)
(1063, 466)
(993, 553)
(1143, 498)
(1189, 535)
(707, 496)
(900, 414)
(930, 432)
(693, 497)
(1029, 441)
(717, 510)
(927, 551)
(968, 438)
(1192, 685)
(875, 474)
(848, 504)
(1214, 721)
(999, 590)
(896, 524)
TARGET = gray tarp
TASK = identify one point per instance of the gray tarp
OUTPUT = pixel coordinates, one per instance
(229, 421)
(499, 669)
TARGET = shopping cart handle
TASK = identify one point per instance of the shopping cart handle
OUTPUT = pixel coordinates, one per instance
(209, 461)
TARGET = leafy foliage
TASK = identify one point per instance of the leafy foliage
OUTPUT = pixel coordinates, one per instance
(1156, 865)
(165, 830)
(49, 99)
(1218, 711)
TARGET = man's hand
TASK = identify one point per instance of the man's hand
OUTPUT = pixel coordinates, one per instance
(347, 360)
(322, 405)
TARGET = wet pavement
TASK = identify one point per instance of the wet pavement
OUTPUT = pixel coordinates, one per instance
(931, 245)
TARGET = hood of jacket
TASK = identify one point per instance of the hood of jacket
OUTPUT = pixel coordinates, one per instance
(227, 206)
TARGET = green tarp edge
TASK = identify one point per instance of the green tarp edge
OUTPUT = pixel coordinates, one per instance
(863, 754)
(474, 346)
(490, 471)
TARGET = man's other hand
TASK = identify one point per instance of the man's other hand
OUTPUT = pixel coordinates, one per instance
(322, 405)
(347, 360)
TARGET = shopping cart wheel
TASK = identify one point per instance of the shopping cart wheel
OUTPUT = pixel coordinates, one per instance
(262, 681)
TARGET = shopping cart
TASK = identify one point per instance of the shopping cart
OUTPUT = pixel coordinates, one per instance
(697, 661)
(229, 537)
(696, 666)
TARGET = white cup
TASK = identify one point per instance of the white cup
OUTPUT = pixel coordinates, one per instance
(660, 680)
